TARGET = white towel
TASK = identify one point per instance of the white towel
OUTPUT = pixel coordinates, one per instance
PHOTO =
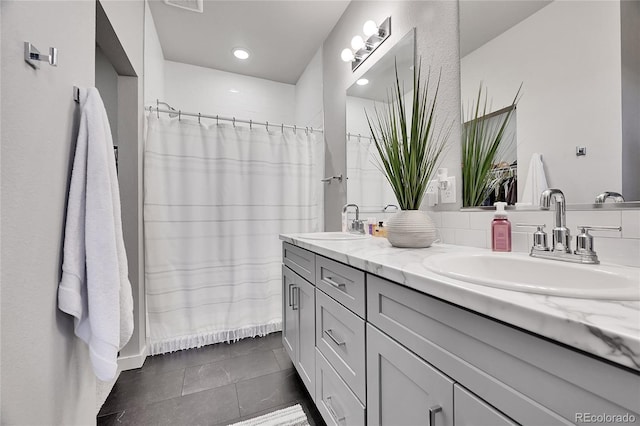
(536, 182)
(95, 287)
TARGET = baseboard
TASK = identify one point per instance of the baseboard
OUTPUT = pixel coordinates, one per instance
(132, 362)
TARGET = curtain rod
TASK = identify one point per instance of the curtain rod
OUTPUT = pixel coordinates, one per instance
(251, 123)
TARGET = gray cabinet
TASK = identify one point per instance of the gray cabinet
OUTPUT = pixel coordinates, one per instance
(298, 325)
(469, 410)
(403, 389)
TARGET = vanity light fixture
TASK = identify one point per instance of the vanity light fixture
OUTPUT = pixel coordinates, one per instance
(362, 82)
(241, 53)
(361, 48)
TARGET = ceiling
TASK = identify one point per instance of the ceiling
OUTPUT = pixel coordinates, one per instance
(483, 20)
(282, 36)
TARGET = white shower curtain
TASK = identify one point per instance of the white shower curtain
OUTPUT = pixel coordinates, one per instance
(367, 186)
(216, 198)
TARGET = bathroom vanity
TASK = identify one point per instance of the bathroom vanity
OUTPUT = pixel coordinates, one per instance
(380, 339)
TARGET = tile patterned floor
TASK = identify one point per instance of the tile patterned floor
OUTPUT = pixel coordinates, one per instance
(214, 385)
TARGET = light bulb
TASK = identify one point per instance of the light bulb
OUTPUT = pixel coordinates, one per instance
(347, 55)
(240, 53)
(357, 43)
(362, 82)
(370, 28)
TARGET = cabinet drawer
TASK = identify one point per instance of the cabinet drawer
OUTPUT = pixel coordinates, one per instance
(344, 283)
(300, 260)
(340, 338)
(335, 401)
(469, 410)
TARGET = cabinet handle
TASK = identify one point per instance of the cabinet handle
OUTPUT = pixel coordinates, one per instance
(290, 298)
(432, 414)
(332, 410)
(329, 280)
(296, 290)
(329, 333)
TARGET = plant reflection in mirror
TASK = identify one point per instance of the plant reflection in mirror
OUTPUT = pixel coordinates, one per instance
(482, 142)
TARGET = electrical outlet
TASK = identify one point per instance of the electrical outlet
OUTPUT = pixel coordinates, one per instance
(432, 193)
(449, 195)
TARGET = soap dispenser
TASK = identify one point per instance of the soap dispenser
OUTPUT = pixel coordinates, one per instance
(500, 229)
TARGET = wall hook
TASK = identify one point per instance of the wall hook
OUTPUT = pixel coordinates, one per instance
(32, 55)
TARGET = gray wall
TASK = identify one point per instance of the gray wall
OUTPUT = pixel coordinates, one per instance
(107, 85)
(46, 377)
(630, 24)
(436, 25)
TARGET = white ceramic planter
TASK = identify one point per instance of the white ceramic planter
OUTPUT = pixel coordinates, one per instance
(411, 229)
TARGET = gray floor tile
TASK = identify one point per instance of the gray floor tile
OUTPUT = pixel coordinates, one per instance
(187, 358)
(252, 345)
(209, 407)
(272, 390)
(228, 371)
(137, 389)
(283, 359)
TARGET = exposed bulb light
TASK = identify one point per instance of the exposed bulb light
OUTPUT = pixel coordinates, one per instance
(347, 55)
(370, 28)
(362, 82)
(357, 43)
(241, 54)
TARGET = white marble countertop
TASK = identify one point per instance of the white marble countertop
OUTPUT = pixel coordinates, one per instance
(605, 328)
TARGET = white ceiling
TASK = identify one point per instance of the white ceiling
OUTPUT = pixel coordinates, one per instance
(282, 36)
(483, 20)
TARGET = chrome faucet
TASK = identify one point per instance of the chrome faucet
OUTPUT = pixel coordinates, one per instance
(617, 197)
(357, 225)
(561, 234)
(390, 206)
(561, 248)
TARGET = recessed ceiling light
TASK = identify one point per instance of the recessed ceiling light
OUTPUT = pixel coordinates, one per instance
(362, 82)
(234, 91)
(241, 53)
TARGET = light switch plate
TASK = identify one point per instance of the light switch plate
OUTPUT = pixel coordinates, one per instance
(448, 195)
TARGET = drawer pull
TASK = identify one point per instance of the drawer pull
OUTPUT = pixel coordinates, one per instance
(332, 410)
(329, 280)
(296, 290)
(329, 333)
(432, 414)
(290, 297)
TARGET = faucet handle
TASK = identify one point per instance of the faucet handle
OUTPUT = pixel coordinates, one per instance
(584, 240)
(539, 237)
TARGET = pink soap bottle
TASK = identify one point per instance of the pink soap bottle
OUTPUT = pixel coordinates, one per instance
(500, 229)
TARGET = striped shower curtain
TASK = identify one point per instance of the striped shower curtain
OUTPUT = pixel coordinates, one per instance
(216, 198)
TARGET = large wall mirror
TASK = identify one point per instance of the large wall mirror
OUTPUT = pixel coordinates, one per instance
(366, 185)
(579, 66)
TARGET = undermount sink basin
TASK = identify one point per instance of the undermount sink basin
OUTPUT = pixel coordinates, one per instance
(519, 272)
(333, 236)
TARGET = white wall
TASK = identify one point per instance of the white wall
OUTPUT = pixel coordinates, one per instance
(308, 94)
(153, 61)
(208, 91)
(437, 44)
(46, 377)
(568, 57)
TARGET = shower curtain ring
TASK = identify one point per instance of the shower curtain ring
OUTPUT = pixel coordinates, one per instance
(158, 112)
(267, 126)
(295, 129)
(282, 127)
(179, 114)
(198, 118)
(306, 130)
(250, 124)
(348, 136)
(359, 136)
(234, 122)
(217, 119)
(311, 130)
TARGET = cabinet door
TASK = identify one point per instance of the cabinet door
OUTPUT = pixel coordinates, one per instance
(304, 302)
(402, 389)
(472, 411)
(289, 315)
